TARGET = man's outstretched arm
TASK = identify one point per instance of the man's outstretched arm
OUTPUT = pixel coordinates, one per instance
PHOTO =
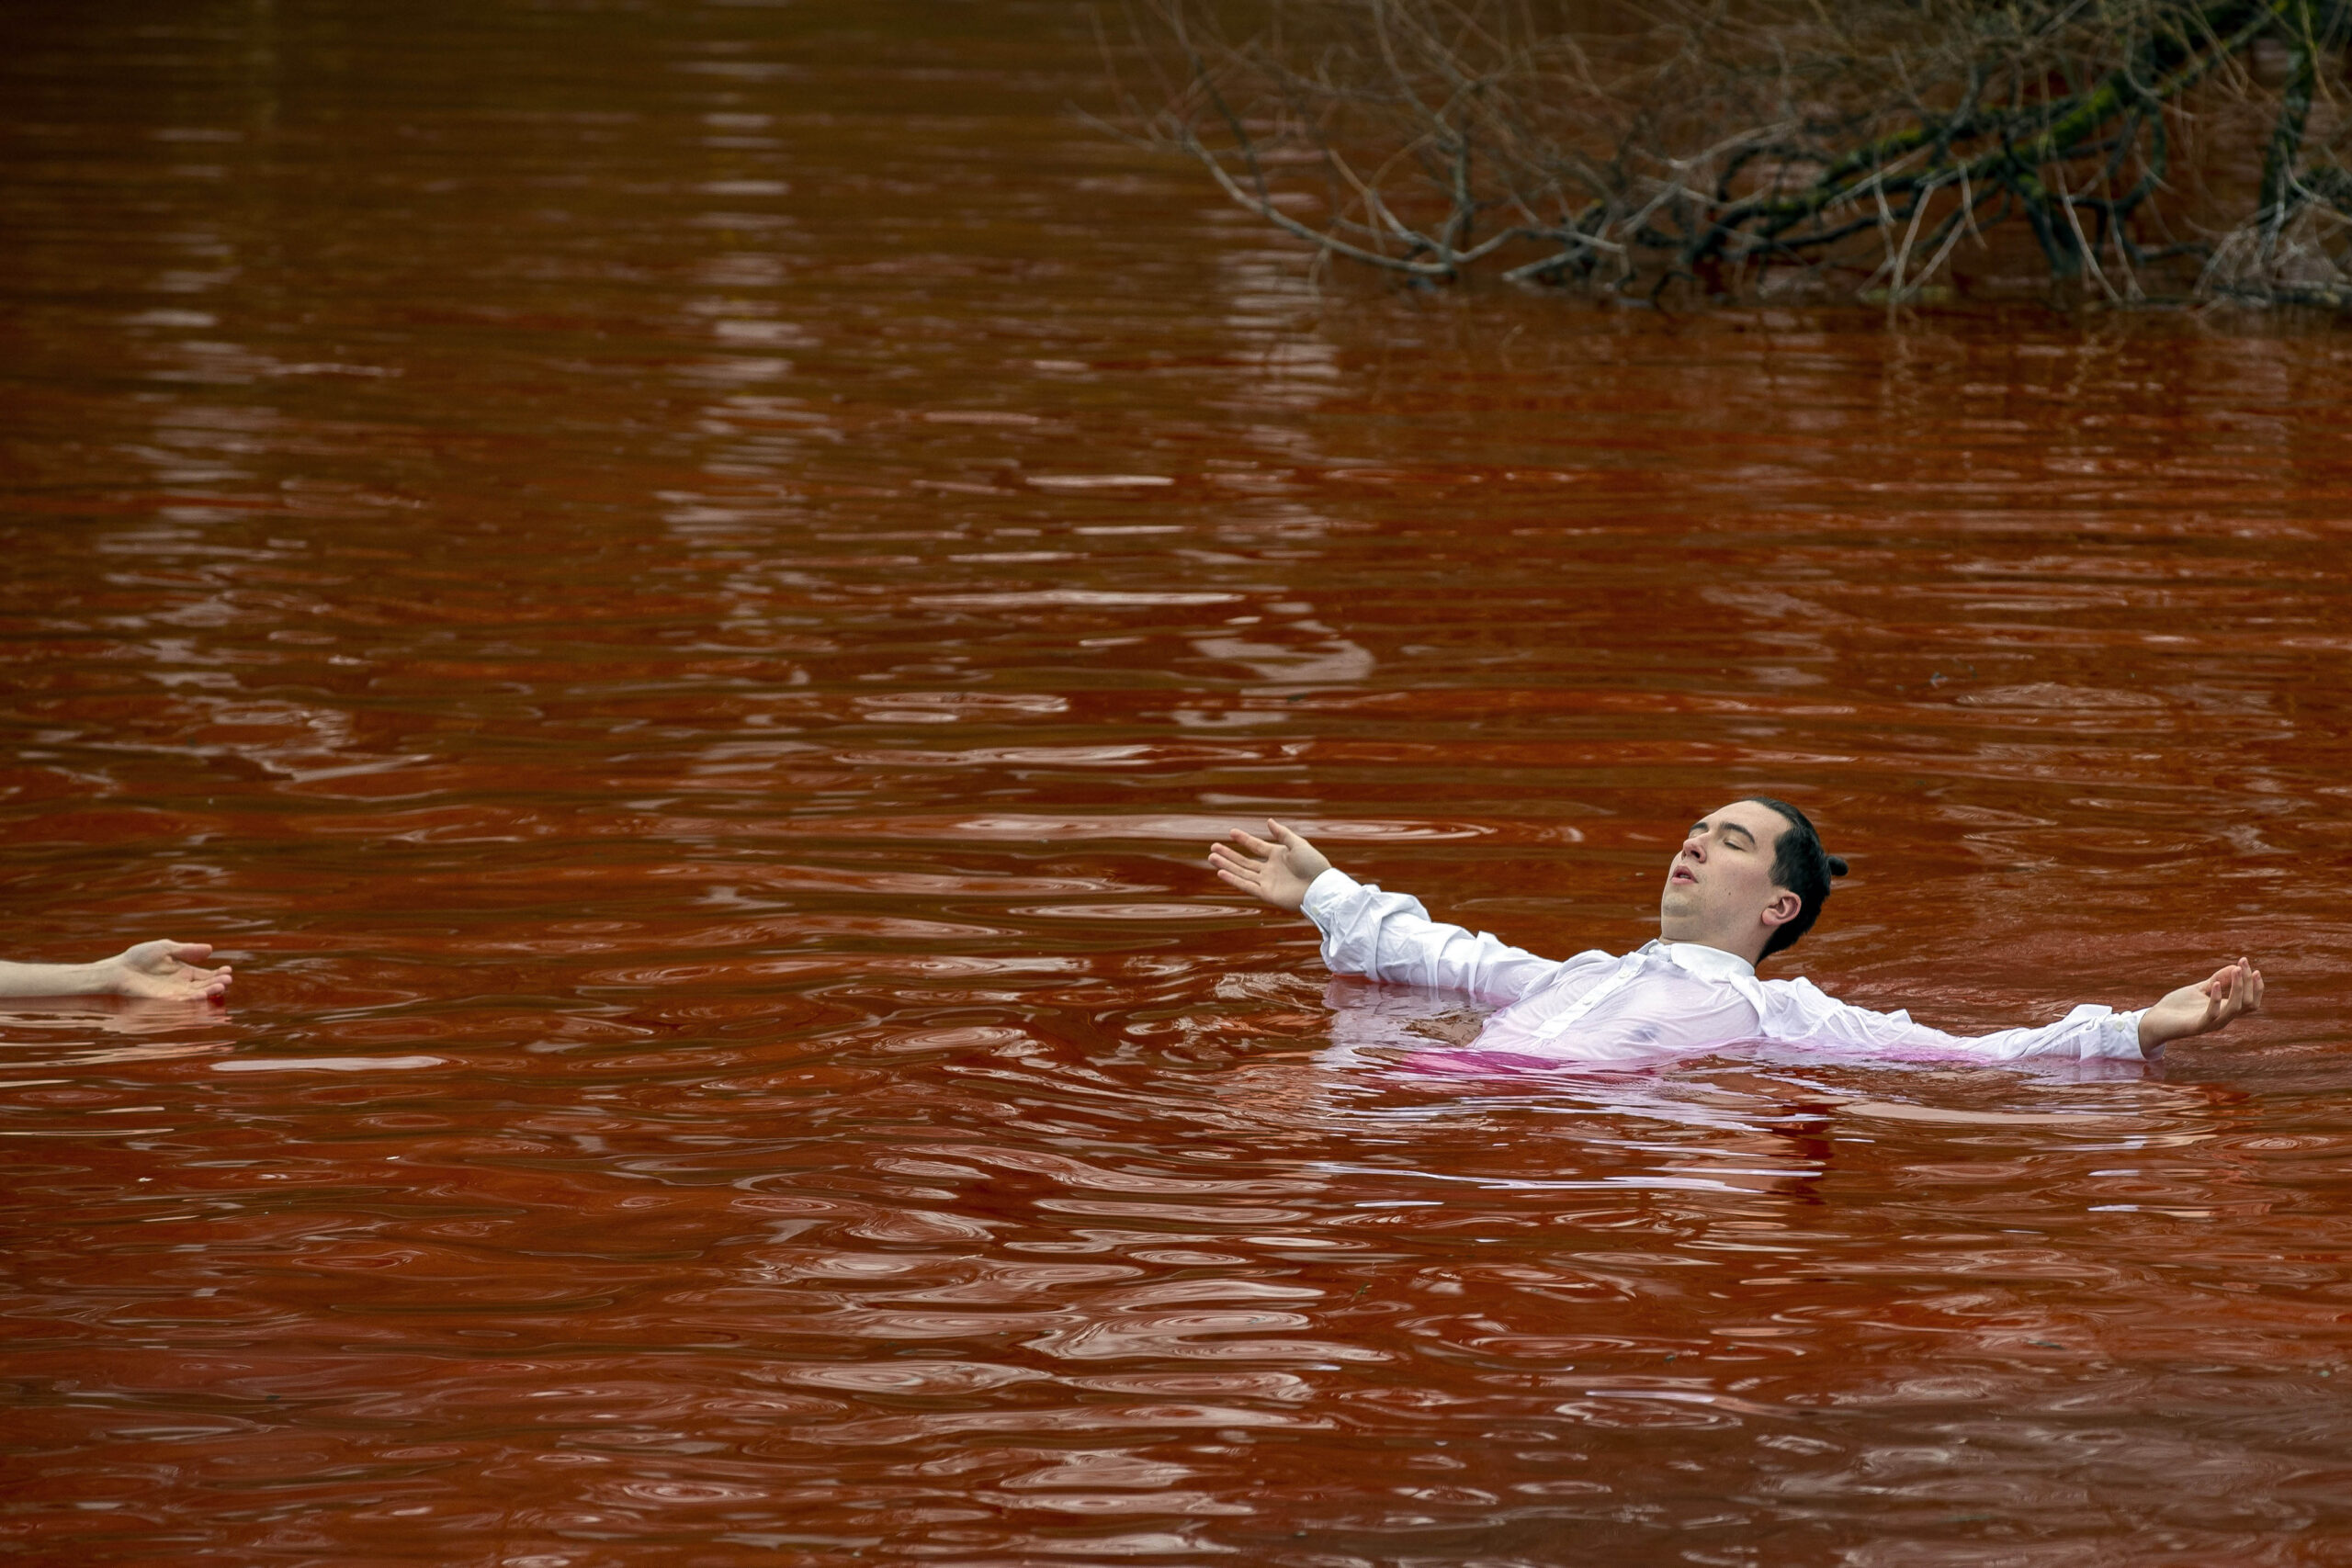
(1807, 1015)
(2236, 989)
(1383, 936)
(161, 971)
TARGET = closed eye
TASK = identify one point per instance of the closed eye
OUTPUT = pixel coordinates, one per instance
(1747, 840)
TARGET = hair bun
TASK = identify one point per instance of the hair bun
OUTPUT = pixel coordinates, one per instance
(1836, 866)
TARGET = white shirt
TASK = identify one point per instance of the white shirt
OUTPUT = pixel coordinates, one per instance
(1662, 998)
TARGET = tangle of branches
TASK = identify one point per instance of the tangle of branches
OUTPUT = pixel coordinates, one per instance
(1779, 148)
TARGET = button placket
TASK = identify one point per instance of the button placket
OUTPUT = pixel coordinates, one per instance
(1627, 968)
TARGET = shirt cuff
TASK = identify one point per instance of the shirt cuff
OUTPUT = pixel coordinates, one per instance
(2122, 1037)
(1326, 890)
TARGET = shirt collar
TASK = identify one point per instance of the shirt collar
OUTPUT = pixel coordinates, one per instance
(1708, 962)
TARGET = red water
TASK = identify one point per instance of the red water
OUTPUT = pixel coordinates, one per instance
(681, 586)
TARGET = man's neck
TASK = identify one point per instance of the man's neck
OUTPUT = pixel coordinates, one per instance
(1750, 959)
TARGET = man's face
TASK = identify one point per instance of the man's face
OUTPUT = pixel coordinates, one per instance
(1720, 883)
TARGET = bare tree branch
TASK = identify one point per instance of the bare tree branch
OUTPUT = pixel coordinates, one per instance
(1779, 146)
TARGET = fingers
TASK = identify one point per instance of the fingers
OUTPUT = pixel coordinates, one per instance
(1277, 872)
(1250, 858)
(1253, 853)
(165, 956)
(2247, 990)
(2245, 986)
(1225, 859)
(1262, 849)
(162, 971)
(2235, 987)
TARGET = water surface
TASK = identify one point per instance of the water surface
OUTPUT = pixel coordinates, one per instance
(681, 586)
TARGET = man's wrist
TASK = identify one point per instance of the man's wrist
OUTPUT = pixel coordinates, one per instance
(2156, 1032)
(99, 977)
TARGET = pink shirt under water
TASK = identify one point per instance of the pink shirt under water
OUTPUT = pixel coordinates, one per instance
(1661, 998)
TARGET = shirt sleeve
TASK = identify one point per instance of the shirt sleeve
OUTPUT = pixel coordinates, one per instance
(1806, 1015)
(1388, 936)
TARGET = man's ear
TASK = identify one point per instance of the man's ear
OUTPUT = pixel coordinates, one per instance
(1785, 907)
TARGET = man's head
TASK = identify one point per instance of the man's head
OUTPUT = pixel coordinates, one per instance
(1748, 879)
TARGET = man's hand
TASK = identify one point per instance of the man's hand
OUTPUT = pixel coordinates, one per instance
(2203, 1007)
(165, 971)
(1277, 872)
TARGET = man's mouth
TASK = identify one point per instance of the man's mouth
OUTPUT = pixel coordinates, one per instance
(1682, 873)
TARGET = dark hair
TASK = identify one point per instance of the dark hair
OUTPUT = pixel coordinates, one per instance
(1800, 865)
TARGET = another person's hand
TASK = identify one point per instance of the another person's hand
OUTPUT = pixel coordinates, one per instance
(165, 971)
(1278, 872)
(2206, 1006)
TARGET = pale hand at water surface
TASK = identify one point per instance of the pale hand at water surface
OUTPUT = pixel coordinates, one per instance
(147, 971)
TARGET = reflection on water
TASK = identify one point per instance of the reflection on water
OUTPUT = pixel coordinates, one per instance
(681, 589)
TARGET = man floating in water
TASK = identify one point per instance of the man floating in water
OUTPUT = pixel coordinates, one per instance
(154, 971)
(1747, 882)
